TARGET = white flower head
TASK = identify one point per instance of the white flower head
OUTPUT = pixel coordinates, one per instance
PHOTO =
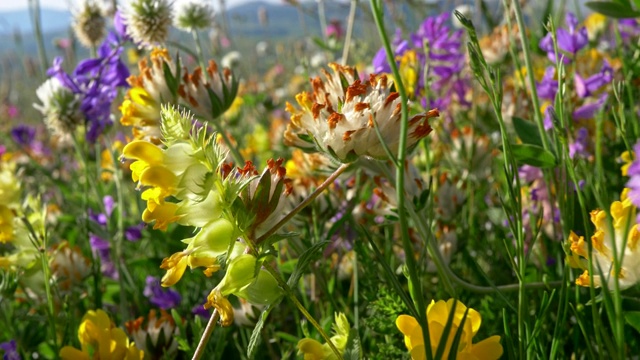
(193, 15)
(148, 21)
(340, 117)
(89, 24)
(60, 107)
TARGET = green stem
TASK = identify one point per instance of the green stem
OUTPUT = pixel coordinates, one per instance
(119, 238)
(414, 279)
(302, 309)
(526, 50)
(34, 7)
(304, 203)
(204, 339)
(196, 39)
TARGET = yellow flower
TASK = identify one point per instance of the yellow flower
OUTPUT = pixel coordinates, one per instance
(627, 158)
(409, 71)
(437, 316)
(625, 236)
(100, 340)
(314, 350)
(595, 24)
(149, 89)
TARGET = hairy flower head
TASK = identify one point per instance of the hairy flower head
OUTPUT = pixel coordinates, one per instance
(89, 24)
(341, 115)
(60, 107)
(193, 15)
(148, 21)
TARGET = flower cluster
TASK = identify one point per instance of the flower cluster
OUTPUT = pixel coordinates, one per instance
(343, 116)
(616, 239)
(89, 90)
(431, 64)
(188, 183)
(100, 339)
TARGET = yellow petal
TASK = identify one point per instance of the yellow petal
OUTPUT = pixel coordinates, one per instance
(71, 353)
(488, 349)
(143, 150)
(311, 349)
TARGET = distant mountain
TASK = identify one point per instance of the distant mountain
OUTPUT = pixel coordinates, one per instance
(52, 20)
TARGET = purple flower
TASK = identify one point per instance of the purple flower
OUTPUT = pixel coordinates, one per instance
(120, 26)
(571, 40)
(10, 349)
(588, 111)
(159, 296)
(579, 146)
(334, 29)
(548, 86)
(586, 87)
(629, 28)
(102, 248)
(109, 204)
(634, 178)
(548, 118)
(98, 218)
(134, 233)
(97, 81)
(380, 63)
(199, 310)
(23, 135)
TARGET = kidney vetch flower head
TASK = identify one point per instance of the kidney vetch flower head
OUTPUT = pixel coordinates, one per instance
(622, 234)
(437, 315)
(341, 115)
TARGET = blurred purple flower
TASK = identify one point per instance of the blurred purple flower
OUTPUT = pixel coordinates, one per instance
(134, 233)
(12, 111)
(548, 86)
(101, 248)
(579, 146)
(571, 40)
(548, 118)
(23, 135)
(120, 26)
(199, 310)
(634, 179)
(159, 296)
(109, 204)
(10, 349)
(588, 111)
(629, 28)
(586, 87)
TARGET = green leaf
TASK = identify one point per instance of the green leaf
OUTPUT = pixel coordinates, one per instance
(254, 341)
(310, 255)
(613, 9)
(527, 131)
(533, 155)
(353, 349)
(172, 82)
(633, 319)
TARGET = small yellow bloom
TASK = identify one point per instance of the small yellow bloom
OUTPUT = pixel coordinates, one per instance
(625, 236)
(100, 340)
(627, 158)
(314, 350)
(437, 316)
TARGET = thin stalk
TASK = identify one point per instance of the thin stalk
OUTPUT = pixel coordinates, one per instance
(349, 34)
(211, 325)
(526, 50)
(416, 287)
(322, 16)
(304, 203)
(289, 293)
(196, 39)
(34, 7)
(119, 238)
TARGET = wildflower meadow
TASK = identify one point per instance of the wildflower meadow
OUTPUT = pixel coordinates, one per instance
(346, 179)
